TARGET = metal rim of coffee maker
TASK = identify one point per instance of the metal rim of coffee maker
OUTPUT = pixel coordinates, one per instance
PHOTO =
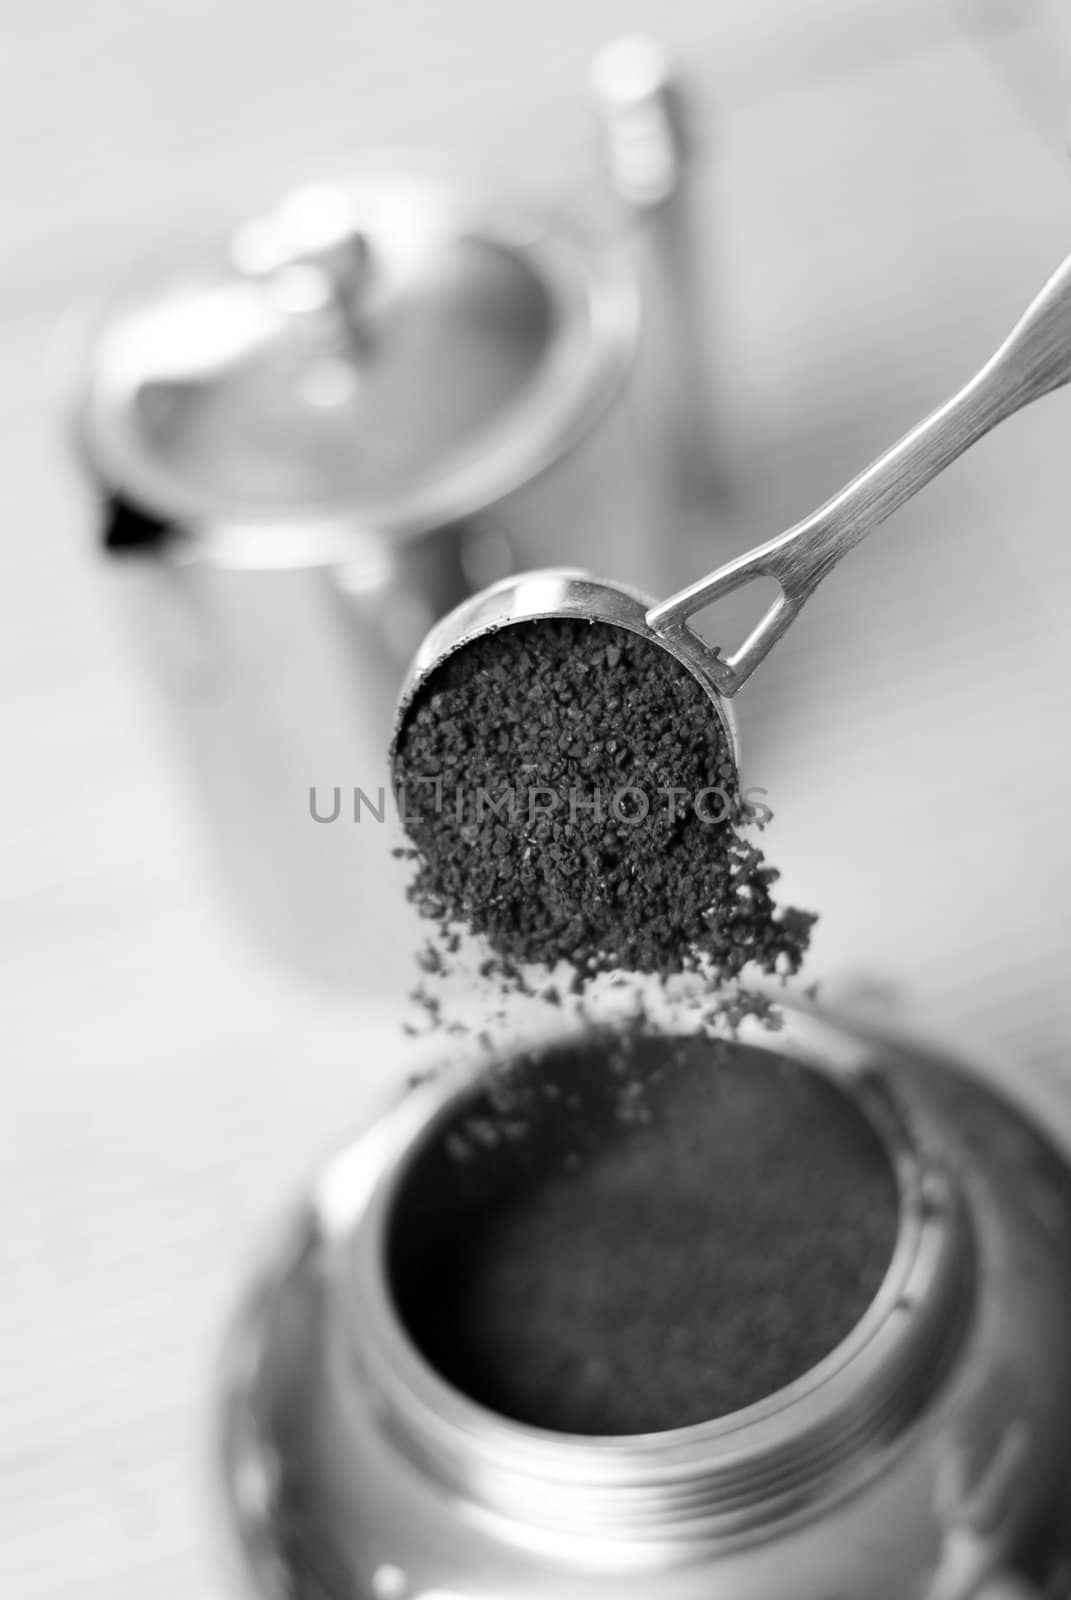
(723, 1479)
(939, 1453)
(593, 313)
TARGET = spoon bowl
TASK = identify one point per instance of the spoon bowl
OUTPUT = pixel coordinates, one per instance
(565, 592)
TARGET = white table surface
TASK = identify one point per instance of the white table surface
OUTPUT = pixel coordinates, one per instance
(887, 187)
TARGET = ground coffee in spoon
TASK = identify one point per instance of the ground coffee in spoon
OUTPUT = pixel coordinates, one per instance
(569, 794)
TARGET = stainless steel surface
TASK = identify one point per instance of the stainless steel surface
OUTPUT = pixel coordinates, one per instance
(387, 392)
(1034, 360)
(926, 1453)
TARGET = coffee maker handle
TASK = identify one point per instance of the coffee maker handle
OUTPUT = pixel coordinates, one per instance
(649, 154)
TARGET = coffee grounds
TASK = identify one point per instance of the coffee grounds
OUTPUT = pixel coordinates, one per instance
(631, 1237)
(570, 795)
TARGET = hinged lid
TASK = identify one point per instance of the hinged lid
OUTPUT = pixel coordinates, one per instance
(381, 349)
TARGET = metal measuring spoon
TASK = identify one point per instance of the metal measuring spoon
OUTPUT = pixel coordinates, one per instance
(1034, 360)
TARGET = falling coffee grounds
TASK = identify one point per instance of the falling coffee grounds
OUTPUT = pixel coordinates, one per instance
(569, 794)
(640, 1235)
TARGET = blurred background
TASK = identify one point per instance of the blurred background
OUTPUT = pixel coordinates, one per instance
(874, 193)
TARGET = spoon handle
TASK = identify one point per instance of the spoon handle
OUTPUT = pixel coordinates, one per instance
(1033, 360)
